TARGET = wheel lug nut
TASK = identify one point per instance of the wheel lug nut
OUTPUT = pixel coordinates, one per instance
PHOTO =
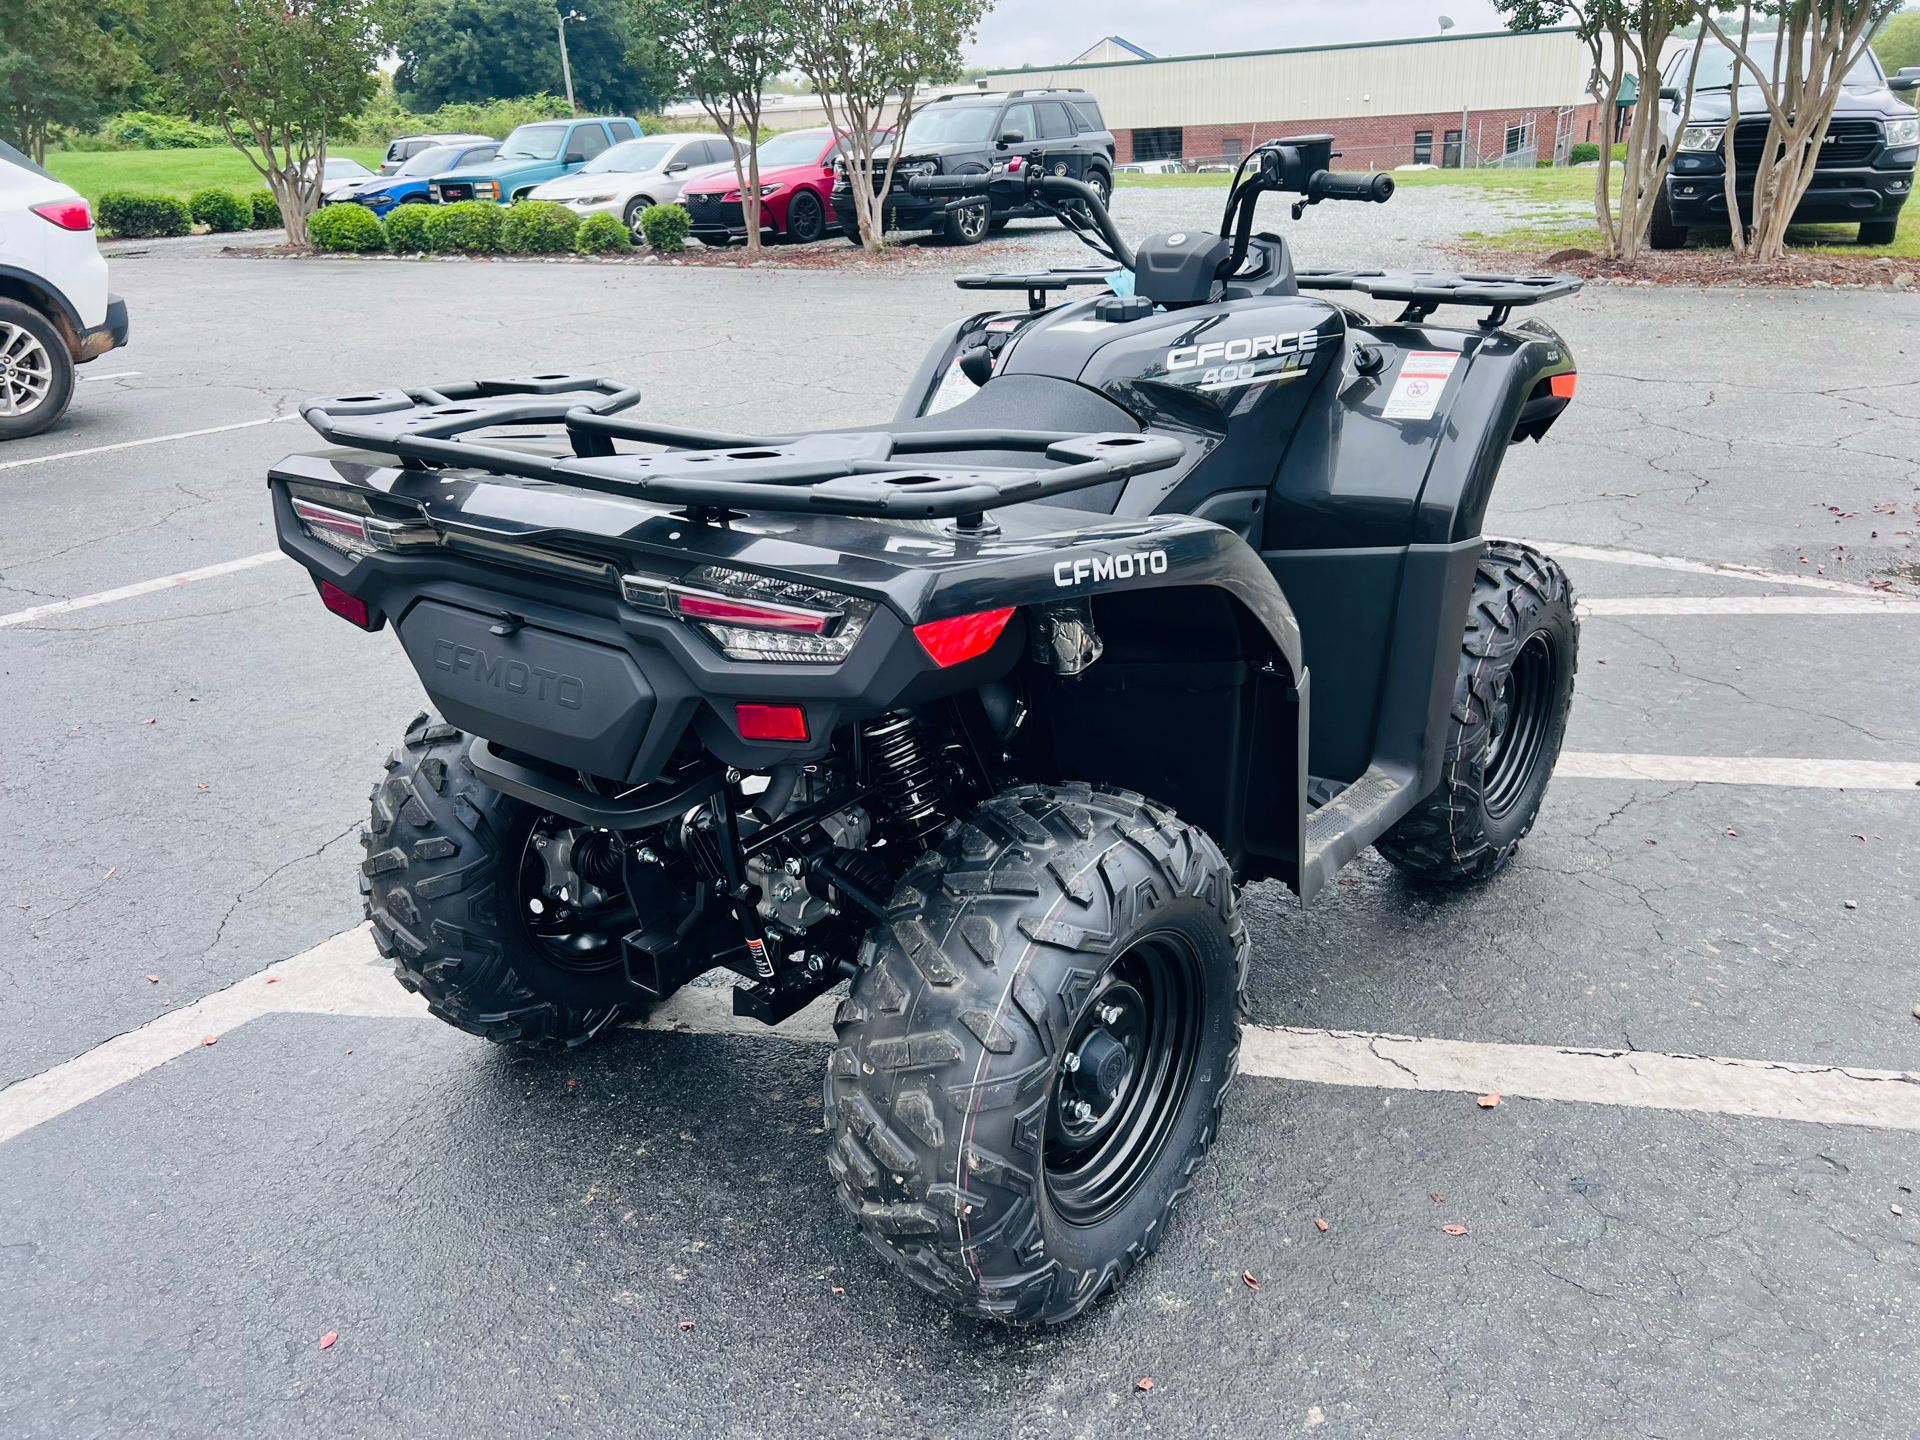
(1082, 1110)
(1072, 1062)
(1110, 1014)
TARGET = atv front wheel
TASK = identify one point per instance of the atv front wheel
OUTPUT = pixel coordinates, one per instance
(507, 921)
(1033, 1057)
(1511, 697)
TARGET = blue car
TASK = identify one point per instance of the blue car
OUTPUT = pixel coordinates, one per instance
(408, 185)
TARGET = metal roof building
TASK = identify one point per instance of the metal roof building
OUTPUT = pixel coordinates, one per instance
(1378, 98)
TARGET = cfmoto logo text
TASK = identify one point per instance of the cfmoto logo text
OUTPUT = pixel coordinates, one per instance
(517, 677)
(1068, 573)
(1247, 347)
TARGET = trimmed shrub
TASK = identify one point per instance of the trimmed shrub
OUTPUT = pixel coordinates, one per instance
(1585, 153)
(602, 235)
(266, 209)
(666, 226)
(132, 215)
(407, 229)
(466, 227)
(221, 210)
(538, 227)
(144, 130)
(346, 227)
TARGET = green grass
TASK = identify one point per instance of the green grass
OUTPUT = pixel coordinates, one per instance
(1836, 240)
(171, 172)
(1549, 228)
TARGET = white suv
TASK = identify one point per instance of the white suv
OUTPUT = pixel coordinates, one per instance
(55, 311)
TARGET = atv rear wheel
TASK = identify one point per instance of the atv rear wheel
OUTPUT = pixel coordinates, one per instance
(1033, 1057)
(461, 890)
(1511, 697)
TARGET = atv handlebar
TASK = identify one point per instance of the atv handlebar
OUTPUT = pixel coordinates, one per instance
(1031, 179)
(1350, 185)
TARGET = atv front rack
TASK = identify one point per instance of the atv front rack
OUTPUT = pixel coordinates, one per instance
(1424, 291)
(708, 473)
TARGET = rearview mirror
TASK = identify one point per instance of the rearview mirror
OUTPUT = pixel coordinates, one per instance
(676, 167)
(1669, 92)
(1904, 82)
(575, 157)
(1011, 137)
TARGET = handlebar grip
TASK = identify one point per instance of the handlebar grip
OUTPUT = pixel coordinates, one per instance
(1351, 185)
(947, 184)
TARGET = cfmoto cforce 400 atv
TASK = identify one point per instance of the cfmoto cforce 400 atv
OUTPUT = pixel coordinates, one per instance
(987, 711)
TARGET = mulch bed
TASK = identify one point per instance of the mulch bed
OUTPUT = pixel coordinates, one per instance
(1711, 269)
(832, 254)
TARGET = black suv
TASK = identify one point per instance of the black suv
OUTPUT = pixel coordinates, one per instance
(1864, 172)
(972, 134)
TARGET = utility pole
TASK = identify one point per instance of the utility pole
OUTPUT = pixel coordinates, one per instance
(566, 70)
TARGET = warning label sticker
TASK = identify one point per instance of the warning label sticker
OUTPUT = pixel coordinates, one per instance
(1423, 375)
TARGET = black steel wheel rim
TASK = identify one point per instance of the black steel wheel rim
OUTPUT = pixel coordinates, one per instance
(578, 932)
(1522, 716)
(1123, 1078)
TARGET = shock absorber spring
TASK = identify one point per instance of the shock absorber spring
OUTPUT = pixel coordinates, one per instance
(905, 768)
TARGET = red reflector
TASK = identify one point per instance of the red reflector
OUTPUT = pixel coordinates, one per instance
(341, 603)
(1563, 385)
(771, 722)
(67, 214)
(964, 636)
(755, 615)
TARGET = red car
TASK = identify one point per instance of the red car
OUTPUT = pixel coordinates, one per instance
(796, 183)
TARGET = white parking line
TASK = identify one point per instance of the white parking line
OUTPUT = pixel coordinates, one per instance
(144, 587)
(150, 440)
(1681, 563)
(1740, 770)
(345, 976)
(1747, 605)
(110, 375)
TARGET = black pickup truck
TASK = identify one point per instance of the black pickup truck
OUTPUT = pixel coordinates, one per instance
(1863, 175)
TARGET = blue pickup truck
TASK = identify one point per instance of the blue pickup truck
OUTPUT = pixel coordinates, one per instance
(532, 154)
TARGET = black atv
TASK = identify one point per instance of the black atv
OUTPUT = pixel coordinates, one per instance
(988, 711)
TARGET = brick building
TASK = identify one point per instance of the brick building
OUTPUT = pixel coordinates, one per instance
(1440, 100)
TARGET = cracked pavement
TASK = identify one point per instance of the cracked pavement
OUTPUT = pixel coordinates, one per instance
(505, 1245)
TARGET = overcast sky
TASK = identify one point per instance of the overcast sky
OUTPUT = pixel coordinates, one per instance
(1050, 32)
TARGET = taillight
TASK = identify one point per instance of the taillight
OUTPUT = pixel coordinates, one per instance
(771, 722)
(341, 603)
(347, 523)
(962, 637)
(1563, 384)
(757, 617)
(67, 214)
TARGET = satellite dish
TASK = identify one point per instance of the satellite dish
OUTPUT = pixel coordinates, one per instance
(1446, 23)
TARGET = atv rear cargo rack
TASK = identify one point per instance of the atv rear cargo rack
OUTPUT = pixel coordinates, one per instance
(1424, 291)
(851, 472)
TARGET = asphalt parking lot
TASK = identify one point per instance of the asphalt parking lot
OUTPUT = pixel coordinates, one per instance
(510, 1246)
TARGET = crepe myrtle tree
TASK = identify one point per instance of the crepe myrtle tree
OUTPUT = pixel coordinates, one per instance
(1622, 37)
(859, 55)
(725, 54)
(1798, 74)
(278, 76)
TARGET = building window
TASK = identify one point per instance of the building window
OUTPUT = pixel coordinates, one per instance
(1450, 150)
(1230, 148)
(1519, 137)
(1423, 147)
(1162, 142)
